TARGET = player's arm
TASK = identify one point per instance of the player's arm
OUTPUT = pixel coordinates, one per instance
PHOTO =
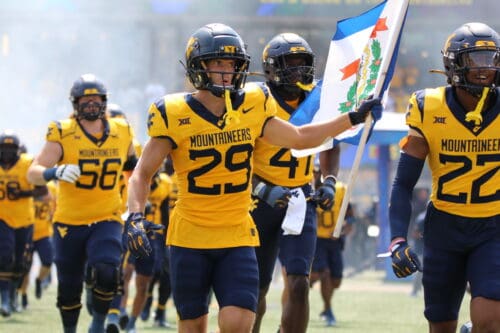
(151, 159)
(281, 133)
(414, 149)
(329, 161)
(131, 161)
(15, 193)
(329, 165)
(49, 156)
(349, 221)
(136, 227)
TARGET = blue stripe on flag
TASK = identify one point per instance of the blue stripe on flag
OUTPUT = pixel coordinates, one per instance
(392, 66)
(308, 108)
(352, 25)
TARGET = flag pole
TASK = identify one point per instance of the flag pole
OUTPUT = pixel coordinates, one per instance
(392, 40)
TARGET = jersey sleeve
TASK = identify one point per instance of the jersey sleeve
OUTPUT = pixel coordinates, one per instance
(414, 113)
(54, 132)
(157, 120)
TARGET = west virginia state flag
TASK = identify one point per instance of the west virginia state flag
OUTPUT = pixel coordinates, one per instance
(360, 63)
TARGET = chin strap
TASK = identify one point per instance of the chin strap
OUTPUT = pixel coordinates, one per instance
(475, 115)
(306, 87)
(230, 115)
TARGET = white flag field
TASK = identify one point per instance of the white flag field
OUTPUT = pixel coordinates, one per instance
(360, 63)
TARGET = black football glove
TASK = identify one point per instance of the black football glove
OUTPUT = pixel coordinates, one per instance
(275, 196)
(372, 105)
(325, 194)
(405, 261)
(137, 230)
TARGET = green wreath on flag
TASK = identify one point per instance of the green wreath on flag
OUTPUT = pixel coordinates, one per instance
(365, 78)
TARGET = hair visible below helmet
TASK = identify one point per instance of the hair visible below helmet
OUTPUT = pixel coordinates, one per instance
(9, 147)
(115, 111)
(274, 62)
(86, 85)
(469, 42)
(215, 41)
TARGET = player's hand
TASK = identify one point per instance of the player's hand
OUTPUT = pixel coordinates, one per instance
(275, 196)
(325, 194)
(404, 260)
(368, 105)
(137, 239)
(68, 173)
(151, 227)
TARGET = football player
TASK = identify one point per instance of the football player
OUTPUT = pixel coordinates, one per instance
(210, 135)
(87, 154)
(288, 63)
(328, 263)
(456, 128)
(16, 218)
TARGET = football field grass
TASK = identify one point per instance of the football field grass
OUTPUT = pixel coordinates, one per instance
(365, 303)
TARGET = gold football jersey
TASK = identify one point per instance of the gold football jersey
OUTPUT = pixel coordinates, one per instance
(277, 165)
(464, 158)
(327, 219)
(16, 213)
(95, 196)
(213, 163)
(44, 208)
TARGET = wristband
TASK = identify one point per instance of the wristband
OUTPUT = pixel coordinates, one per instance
(49, 174)
(395, 243)
(329, 176)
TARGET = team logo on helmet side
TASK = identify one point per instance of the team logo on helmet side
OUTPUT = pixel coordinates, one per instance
(191, 45)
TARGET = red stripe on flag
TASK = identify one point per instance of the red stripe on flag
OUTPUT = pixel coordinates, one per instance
(379, 26)
(350, 69)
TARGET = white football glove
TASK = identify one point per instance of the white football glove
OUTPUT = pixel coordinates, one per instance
(68, 172)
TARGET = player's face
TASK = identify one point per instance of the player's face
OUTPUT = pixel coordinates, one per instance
(483, 66)
(294, 65)
(8, 153)
(221, 71)
(90, 103)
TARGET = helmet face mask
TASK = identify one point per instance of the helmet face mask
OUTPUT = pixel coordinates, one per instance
(216, 41)
(471, 56)
(90, 110)
(88, 85)
(286, 60)
(9, 148)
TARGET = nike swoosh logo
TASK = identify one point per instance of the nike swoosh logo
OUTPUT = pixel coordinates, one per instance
(247, 110)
